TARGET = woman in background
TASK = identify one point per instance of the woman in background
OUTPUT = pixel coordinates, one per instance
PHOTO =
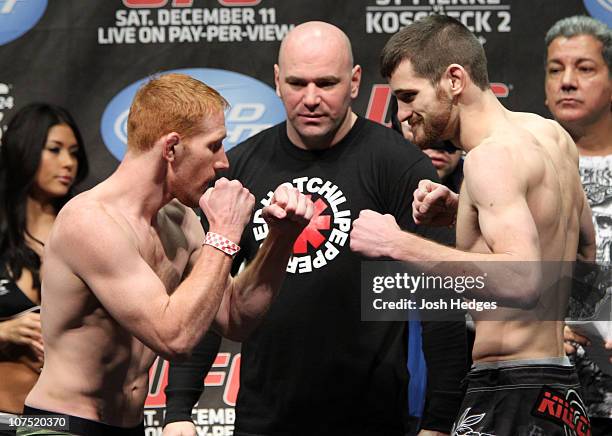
(41, 158)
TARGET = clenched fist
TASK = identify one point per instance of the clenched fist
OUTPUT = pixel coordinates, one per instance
(434, 204)
(228, 207)
(289, 210)
(373, 234)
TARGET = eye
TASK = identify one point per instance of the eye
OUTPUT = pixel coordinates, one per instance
(294, 83)
(325, 83)
(74, 151)
(553, 70)
(586, 69)
(54, 150)
(406, 97)
(215, 146)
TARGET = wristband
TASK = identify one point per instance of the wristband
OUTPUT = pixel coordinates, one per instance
(221, 243)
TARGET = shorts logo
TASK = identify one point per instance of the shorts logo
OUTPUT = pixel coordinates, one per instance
(254, 106)
(463, 426)
(19, 16)
(320, 242)
(565, 410)
(600, 9)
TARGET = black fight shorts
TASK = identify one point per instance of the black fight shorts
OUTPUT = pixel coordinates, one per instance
(539, 397)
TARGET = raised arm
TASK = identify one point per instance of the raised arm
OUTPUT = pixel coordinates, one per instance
(104, 253)
(250, 293)
(434, 204)
(504, 219)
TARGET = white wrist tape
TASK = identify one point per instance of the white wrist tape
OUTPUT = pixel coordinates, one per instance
(221, 243)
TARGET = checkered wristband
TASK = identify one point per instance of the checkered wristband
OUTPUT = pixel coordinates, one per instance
(221, 243)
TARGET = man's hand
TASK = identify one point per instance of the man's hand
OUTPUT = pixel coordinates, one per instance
(434, 204)
(571, 340)
(373, 234)
(24, 330)
(180, 428)
(228, 207)
(289, 210)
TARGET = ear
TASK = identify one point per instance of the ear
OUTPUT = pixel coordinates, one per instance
(169, 143)
(355, 81)
(457, 79)
(277, 79)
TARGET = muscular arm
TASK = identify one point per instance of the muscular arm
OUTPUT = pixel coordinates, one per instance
(105, 256)
(250, 293)
(504, 219)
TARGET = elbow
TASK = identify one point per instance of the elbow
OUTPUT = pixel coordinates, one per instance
(175, 346)
(176, 351)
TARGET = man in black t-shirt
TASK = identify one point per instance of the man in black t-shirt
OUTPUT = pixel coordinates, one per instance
(313, 367)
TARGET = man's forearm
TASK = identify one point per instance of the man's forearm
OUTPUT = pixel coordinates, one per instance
(510, 281)
(186, 315)
(253, 290)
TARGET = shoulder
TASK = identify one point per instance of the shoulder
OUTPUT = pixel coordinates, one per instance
(86, 222)
(494, 165)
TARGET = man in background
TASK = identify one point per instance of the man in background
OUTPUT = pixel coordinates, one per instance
(579, 96)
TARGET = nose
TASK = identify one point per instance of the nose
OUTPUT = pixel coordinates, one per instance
(221, 163)
(403, 112)
(568, 80)
(68, 159)
(311, 97)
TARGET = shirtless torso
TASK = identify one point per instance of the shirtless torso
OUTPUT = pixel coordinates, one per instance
(94, 367)
(542, 160)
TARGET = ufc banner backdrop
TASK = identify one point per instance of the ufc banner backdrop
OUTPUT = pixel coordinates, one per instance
(90, 56)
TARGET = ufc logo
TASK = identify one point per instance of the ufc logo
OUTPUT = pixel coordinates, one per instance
(379, 103)
(225, 372)
(381, 95)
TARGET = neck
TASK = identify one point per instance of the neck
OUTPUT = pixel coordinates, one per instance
(327, 141)
(594, 139)
(138, 186)
(40, 215)
(479, 111)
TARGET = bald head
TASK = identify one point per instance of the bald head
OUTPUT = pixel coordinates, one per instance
(316, 38)
(316, 81)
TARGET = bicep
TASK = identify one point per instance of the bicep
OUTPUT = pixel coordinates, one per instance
(504, 218)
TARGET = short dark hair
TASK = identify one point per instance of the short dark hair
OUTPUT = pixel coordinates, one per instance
(20, 155)
(431, 45)
(583, 25)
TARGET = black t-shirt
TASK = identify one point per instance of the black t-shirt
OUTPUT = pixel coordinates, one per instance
(312, 366)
